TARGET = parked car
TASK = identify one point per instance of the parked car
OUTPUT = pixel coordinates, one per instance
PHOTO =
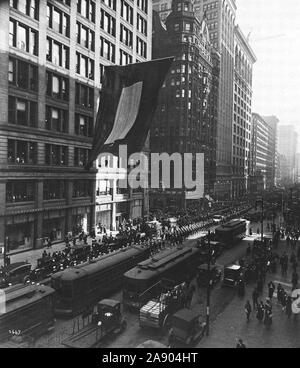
(232, 275)
(15, 273)
(218, 219)
(187, 326)
(203, 275)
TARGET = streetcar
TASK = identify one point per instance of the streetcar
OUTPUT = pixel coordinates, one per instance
(82, 286)
(177, 265)
(231, 233)
(27, 311)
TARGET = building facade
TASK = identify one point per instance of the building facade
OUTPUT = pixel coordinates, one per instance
(287, 150)
(220, 18)
(263, 155)
(50, 81)
(186, 118)
(244, 58)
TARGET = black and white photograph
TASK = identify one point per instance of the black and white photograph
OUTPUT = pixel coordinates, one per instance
(149, 176)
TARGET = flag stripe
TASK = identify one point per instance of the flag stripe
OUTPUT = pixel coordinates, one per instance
(127, 112)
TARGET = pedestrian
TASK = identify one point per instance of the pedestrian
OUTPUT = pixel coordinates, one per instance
(49, 244)
(248, 310)
(255, 295)
(260, 311)
(271, 287)
(240, 344)
(268, 317)
(288, 308)
(295, 278)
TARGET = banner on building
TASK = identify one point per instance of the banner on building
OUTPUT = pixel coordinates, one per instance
(127, 104)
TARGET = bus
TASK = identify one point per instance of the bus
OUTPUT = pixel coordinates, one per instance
(79, 287)
(231, 233)
(27, 311)
(177, 265)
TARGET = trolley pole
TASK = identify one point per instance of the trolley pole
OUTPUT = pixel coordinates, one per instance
(208, 286)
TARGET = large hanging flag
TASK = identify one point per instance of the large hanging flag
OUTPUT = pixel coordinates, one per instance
(127, 104)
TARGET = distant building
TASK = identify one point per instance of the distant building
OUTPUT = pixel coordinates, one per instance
(287, 149)
(186, 117)
(263, 153)
(242, 114)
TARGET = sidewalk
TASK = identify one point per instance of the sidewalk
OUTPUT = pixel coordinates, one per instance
(32, 256)
(231, 324)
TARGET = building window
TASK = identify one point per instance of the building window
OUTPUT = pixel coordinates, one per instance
(57, 86)
(56, 119)
(143, 5)
(125, 58)
(81, 188)
(22, 112)
(81, 156)
(58, 20)
(21, 152)
(85, 36)
(83, 125)
(87, 9)
(141, 24)
(28, 7)
(22, 74)
(108, 23)
(126, 36)
(56, 155)
(57, 53)
(23, 37)
(111, 4)
(20, 191)
(84, 95)
(126, 12)
(85, 66)
(54, 189)
(107, 50)
(141, 47)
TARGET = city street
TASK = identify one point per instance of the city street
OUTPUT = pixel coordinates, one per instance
(228, 321)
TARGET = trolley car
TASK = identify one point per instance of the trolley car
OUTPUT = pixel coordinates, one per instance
(178, 265)
(27, 311)
(231, 233)
(82, 286)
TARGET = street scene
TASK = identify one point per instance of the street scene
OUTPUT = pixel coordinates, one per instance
(149, 191)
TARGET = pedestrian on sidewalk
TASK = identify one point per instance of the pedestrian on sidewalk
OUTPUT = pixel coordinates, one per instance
(288, 308)
(260, 312)
(248, 311)
(271, 287)
(295, 278)
(268, 317)
(255, 295)
(49, 244)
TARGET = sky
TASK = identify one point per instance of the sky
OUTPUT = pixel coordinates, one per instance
(275, 39)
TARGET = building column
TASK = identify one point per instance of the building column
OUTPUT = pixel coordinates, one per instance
(113, 215)
(37, 230)
(2, 212)
(69, 197)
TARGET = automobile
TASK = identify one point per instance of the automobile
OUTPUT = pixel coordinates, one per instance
(107, 319)
(203, 275)
(15, 273)
(187, 326)
(218, 219)
(232, 275)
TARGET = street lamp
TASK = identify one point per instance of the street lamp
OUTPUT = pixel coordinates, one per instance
(209, 281)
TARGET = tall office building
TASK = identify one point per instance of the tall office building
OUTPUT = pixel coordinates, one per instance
(287, 150)
(242, 113)
(186, 117)
(220, 18)
(263, 155)
(52, 55)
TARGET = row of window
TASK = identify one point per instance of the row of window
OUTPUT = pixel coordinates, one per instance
(28, 7)
(23, 152)
(24, 112)
(25, 191)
